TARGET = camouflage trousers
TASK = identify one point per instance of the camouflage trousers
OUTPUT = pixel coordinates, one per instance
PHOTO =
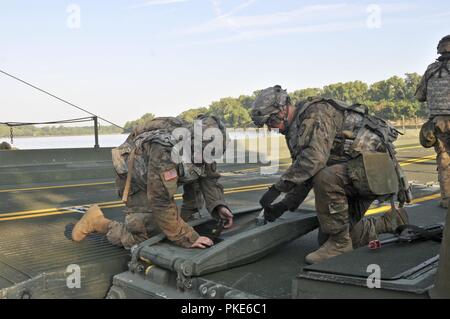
(442, 148)
(341, 207)
(140, 224)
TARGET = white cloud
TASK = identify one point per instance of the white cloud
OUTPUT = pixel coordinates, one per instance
(225, 21)
(281, 31)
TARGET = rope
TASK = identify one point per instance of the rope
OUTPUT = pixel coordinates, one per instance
(77, 120)
(58, 98)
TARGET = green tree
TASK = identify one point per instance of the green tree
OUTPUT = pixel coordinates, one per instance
(350, 92)
(392, 89)
(231, 112)
(191, 114)
(129, 126)
(303, 94)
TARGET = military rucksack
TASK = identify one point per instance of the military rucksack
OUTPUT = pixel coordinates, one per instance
(129, 159)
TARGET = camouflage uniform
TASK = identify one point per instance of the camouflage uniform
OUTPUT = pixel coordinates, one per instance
(151, 208)
(323, 162)
(434, 88)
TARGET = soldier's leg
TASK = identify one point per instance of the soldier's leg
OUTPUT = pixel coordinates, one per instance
(136, 228)
(139, 223)
(192, 200)
(442, 147)
(332, 211)
(362, 229)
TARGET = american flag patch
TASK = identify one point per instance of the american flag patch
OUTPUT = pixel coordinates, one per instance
(170, 175)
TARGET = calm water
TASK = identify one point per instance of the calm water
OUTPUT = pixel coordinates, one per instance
(66, 141)
(81, 141)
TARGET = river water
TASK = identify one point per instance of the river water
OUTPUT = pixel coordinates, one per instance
(82, 141)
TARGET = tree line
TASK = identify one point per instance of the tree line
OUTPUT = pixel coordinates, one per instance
(391, 99)
(33, 131)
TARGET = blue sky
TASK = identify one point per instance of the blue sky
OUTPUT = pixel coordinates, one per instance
(127, 58)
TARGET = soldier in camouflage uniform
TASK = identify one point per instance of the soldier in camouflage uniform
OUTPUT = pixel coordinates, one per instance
(434, 88)
(327, 140)
(150, 205)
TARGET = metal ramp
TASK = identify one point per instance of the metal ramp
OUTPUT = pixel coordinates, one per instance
(163, 270)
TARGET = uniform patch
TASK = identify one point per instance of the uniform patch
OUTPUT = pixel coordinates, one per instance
(170, 175)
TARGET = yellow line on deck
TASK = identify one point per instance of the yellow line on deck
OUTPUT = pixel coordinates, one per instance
(386, 208)
(113, 204)
(55, 211)
(418, 160)
(53, 187)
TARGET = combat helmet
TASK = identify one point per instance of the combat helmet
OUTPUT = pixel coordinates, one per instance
(268, 102)
(444, 45)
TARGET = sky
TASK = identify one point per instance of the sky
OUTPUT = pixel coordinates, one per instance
(121, 59)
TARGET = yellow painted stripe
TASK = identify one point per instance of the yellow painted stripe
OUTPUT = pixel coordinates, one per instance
(53, 187)
(372, 211)
(418, 160)
(47, 210)
(386, 208)
(113, 204)
(37, 215)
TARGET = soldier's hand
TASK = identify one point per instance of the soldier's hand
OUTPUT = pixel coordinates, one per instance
(202, 242)
(225, 214)
(269, 196)
(272, 212)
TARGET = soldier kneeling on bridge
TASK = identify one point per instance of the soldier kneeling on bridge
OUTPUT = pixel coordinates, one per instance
(346, 156)
(148, 174)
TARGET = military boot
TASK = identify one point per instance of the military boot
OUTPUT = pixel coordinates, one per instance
(93, 221)
(389, 222)
(334, 246)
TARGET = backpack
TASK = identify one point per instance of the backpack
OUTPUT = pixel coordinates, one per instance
(130, 160)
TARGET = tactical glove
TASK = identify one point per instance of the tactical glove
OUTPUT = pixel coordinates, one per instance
(269, 196)
(272, 212)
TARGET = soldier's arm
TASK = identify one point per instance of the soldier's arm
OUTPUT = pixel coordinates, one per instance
(212, 190)
(297, 195)
(421, 91)
(161, 187)
(315, 140)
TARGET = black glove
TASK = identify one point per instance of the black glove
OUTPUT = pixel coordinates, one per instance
(269, 196)
(272, 212)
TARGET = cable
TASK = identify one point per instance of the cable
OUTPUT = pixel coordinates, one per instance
(58, 98)
(77, 120)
